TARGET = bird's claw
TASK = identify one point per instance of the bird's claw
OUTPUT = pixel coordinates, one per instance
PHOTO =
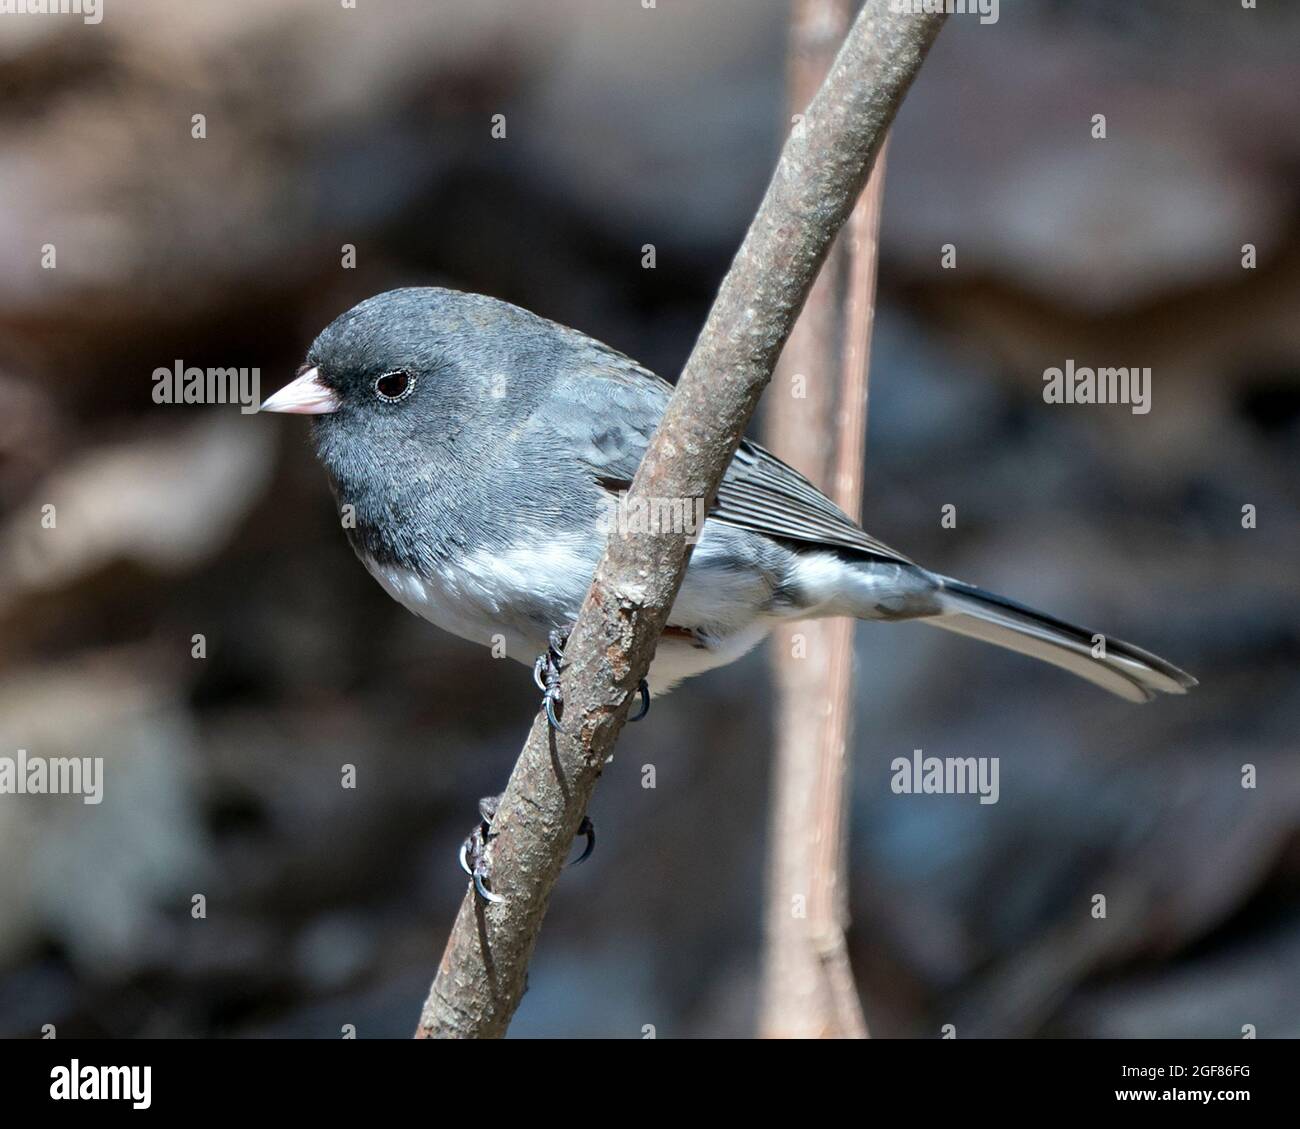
(546, 675)
(644, 690)
(550, 699)
(473, 851)
(587, 828)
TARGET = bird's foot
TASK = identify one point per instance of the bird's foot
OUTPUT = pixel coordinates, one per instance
(473, 852)
(546, 674)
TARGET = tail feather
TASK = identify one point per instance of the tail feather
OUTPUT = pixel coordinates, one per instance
(1121, 668)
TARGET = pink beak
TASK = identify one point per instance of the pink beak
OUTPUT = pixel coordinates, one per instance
(305, 396)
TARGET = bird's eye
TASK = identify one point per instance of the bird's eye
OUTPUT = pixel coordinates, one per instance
(394, 386)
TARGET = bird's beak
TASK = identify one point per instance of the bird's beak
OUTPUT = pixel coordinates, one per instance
(306, 396)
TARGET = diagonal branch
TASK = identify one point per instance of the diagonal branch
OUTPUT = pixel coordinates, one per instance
(823, 167)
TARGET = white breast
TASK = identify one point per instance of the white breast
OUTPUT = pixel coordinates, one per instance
(512, 599)
(509, 599)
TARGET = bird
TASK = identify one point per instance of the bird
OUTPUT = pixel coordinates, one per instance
(478, 454)
(477, 451)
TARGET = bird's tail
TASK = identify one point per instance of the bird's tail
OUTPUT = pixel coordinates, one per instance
(1112, 664)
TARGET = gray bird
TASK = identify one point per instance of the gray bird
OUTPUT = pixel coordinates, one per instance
(481, 450)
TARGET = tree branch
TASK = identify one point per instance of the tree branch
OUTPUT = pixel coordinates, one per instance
(822, 169)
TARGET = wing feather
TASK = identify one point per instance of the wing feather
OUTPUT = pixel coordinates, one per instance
(762, 493)
(607, 423)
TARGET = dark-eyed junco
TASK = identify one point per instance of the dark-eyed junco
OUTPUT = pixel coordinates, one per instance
(477, 453)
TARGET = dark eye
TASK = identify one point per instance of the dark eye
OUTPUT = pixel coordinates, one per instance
(394, 386)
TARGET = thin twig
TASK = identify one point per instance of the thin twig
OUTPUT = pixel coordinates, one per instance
(829, 906)
(808, 987)
(823, 167)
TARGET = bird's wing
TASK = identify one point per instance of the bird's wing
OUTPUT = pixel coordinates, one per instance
(762, 493)
(608, 422)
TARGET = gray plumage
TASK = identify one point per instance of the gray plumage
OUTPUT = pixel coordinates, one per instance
(480, 497)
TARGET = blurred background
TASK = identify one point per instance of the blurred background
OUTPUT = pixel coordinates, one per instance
(371, 127)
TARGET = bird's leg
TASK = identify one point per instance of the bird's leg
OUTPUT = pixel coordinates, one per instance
(546, 674)
(473, 852)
